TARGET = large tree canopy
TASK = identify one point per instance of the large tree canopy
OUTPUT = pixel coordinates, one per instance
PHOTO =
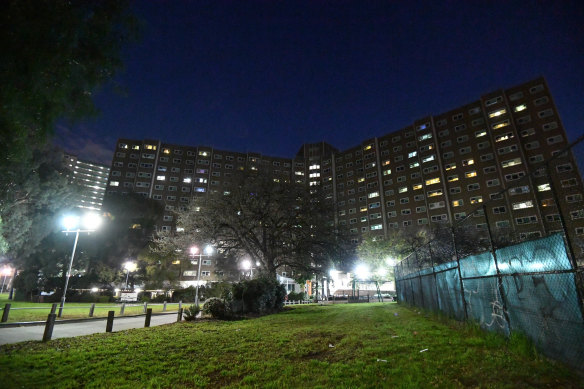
(276, 224)
(55, 53)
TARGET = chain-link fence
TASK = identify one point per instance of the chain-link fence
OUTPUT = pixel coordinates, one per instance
(520, 275)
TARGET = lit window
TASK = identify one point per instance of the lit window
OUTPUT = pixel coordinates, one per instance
(187, 180)
(161, 178)
(363, 209)
(416, 187)
(412, 154)
(373, 194)
(166, 151)
(387, 172)
(481, 133)
(543, 187)
(468, 162)
(500, 125)
(476, 200)
(450, 166)
(114, 183)
(470, 174)
(403, 189)
(368, 147)
(523, 205)
(453, 178)
(433, 181)
(457, 203)
(150, 147)
(520, 108)
(497, 113)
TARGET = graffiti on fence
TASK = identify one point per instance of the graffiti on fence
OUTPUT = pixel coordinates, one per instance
(537, 288)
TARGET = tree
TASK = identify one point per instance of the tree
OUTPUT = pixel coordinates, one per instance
(55, 53)
(274, 223)
(377, 251)
(32, 197)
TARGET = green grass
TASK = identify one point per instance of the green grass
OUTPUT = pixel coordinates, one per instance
(72, 310)
(337, 346)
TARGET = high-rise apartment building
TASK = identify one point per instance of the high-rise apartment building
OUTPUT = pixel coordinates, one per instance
(92, 177)
(436, 170)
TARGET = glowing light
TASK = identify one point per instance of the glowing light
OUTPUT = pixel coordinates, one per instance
(130, 266)
(362, 272)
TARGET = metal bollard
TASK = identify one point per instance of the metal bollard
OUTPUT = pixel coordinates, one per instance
(54, 308)
(110, 321)
(122, 308)
(145, 307)
(164, 307)
(91, 310)
(148, 317)
(49, 326)
(6, 312)
(179, 318)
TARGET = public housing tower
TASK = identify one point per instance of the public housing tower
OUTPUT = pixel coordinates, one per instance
(436, 170)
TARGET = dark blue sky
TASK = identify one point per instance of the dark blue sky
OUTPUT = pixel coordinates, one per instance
(269, 76)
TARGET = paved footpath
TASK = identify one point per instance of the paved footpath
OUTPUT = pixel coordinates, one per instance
(69, 330)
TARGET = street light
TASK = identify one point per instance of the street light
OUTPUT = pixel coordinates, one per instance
(362, 272)
(129, 266)
(194, 251)
(72, 223)
(6, 271)
(247, 265)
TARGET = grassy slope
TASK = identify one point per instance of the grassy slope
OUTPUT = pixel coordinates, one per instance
(374, 345)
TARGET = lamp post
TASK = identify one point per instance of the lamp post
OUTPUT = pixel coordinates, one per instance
(90, 222)
(6, 271)
(129, 266)
(194, 251)
(247, 265)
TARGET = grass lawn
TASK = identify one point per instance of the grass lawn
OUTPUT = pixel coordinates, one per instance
(337, 346)
(72, 310)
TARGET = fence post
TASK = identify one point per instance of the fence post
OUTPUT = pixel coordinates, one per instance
(48, 334)
(148, 316)
(122, 308)
(145, 307)
(110, 321)
(6, 312)
(91, 310)
(54, 308)
(420, 277)
(179, 317)
(437, 307)
(180, 305)
(499, 277)
(459, 273)
(164, 307)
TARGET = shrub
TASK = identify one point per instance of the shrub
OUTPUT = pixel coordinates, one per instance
(293, 296)
(186, 294)
(216, 308)
(192, 312)
(261, 295)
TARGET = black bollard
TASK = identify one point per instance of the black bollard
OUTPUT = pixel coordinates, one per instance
(49, 326)
(110, 321)
(6, 312)
(148, 316)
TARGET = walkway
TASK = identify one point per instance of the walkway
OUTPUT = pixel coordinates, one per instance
(80, 328)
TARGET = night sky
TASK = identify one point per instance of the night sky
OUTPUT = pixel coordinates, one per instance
(270, 76)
